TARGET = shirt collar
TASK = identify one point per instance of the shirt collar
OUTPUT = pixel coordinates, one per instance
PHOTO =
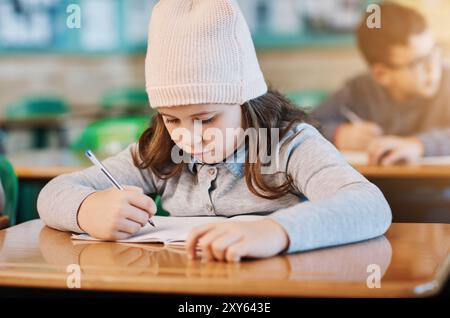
(234, 163)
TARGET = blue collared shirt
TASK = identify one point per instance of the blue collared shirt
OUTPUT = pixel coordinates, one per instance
(234, 163)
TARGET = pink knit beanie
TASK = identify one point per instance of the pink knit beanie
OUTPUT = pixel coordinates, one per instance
(201, 51)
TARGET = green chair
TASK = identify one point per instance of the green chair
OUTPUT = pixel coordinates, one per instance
(125, 100)
(159, 209)
(10, 186)
(42, 113)
(37, 107)
(307, 99)
(111, 135)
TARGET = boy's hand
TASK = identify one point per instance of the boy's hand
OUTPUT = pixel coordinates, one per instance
(356, 136)
(230, 241)
(114, 214)
(392, 149)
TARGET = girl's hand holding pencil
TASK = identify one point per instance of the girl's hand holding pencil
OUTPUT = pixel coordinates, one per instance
(114, 214)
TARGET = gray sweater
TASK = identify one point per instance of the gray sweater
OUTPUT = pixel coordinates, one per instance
(332, 203)
(426, 118)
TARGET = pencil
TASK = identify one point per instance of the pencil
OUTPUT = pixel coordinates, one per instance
(97, 162)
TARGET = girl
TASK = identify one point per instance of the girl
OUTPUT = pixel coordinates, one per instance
(202, 70)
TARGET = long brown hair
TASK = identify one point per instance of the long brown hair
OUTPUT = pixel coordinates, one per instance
(271, 110)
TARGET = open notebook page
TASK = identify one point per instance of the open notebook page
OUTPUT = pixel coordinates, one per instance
(170, 229)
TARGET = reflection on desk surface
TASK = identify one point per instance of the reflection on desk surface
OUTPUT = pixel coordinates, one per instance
(408, 257)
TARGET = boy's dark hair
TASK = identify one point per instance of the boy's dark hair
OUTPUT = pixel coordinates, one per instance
(398, 24)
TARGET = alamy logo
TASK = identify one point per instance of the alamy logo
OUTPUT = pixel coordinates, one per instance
(73, 20)
(74, 278)
(374, 278)
(374, 19)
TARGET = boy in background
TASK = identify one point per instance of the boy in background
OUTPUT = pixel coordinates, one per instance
(400, 109)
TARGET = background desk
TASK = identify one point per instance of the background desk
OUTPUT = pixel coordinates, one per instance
(413, 260)
(416, 193)
(47, 164)
(405, 172)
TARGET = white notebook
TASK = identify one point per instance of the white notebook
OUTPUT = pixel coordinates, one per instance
(171, 229)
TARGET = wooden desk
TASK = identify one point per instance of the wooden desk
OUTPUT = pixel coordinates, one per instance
(405, 172)
(428, 168)
(413, 260)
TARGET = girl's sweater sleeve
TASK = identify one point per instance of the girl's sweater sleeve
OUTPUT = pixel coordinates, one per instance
(60, 199)
(342, 206)
(2, 198)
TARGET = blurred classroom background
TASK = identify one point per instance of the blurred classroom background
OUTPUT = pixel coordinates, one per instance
(63, 90)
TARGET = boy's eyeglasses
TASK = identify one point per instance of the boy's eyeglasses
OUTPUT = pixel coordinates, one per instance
(435, 56)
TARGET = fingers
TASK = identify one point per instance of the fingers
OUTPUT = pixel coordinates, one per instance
(220, 245)
(136, 215)
(368, 129)
(133, 188)
(119, 235)
(378, 149)
(142, 202)
(217, 243)
(206, 240)
(128, 226)
(363, 141)
(194, 236)
(236, 251)
(141, 206)
(356, 136)
(231, 241)
(374, 130)
(389, 150)
(393, 157)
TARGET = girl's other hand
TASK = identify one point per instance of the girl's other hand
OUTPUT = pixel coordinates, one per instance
(114, 214)
(230, 241)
